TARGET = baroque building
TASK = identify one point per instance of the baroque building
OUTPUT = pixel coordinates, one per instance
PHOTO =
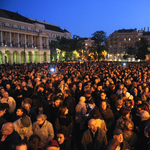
(26, 40)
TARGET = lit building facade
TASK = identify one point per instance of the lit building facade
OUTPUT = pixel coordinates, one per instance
(119, 41)
(26, 40)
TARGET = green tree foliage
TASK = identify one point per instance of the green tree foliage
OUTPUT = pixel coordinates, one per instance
(100, 42)
(142, 48)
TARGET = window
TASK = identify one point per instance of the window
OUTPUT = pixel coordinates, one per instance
(18, 27)
(2, 24)
(33, 30)
(129, 39)
(12, 35)
(27, 36)
(124, 39)
(26, 28)
(19, 35)
(11, 25)
(3, 33)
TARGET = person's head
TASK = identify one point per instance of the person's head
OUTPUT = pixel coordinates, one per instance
(20, 111)
(80, 85)
(146, 89)
(41, 119)
(104, 105)
(34, 142)
(25, 121)
(2, 109)
(8, 86)
(66, 93)
(118, 135)
(135, 90)
(119, 104)
(27, 106)
(5, 94)
(103, 95)
(121, 86)
(124, 90)
(7, 128)
(91, 103)
(63, 110)
(62, 135)
(82, 99)
(92, 125)
(19, 145)
(125, 113)
(140, 108)
(52, 145)
(144, 115)
(113, 145)
(95, 113)
(57, 101)
(129, 125)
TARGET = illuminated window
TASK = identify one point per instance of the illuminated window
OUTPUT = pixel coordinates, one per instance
(129, 39)
(124, 39)
(86, 44)
(139, 39)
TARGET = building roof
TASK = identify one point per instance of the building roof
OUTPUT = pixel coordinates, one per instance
(126, 30)
(146, 33)
(15, 16)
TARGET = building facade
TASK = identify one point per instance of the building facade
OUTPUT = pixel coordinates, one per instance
(119, 41)
(26, 40)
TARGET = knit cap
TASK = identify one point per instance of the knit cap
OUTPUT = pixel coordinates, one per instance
(25, 121)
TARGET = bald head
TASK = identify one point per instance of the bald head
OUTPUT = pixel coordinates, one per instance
(92, 124)
(7, 128)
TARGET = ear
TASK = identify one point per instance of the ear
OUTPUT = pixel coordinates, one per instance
(114, 136)
(89, 126)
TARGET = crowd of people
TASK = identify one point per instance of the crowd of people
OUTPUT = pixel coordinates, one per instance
(75, 106)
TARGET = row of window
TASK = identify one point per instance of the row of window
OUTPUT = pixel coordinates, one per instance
(18, 27)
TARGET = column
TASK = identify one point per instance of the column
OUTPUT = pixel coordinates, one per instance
(10, 39)
(19, 58)
(32, 57)
(17, 40)
(40, 43)
(11, 55)
(1, 37)
(47, 43)
(41, 55)
(25, 41)
(31, 41)
(3, 58)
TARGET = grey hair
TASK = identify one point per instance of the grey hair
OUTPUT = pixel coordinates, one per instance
(42, 116)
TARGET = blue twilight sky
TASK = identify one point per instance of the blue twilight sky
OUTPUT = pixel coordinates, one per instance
(84, 17)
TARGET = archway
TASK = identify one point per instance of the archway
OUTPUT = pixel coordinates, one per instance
(30, 57)
(22, 57)
(16, 57)
(45, 57)
(36, 57)
(7, 57)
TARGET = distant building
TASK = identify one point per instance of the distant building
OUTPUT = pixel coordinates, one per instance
(119, 41)
(26, 40)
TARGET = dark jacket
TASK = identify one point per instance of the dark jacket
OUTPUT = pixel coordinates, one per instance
(6, 145)
(108, 117)
(100, 141)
